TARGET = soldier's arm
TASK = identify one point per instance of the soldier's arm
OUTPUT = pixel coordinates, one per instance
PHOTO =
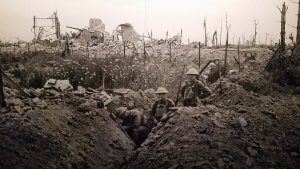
(204, 89)
(183, 87)
(153, 110)
(137, 120)
(171, 103)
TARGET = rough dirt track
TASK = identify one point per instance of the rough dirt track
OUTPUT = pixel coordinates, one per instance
(61, 137)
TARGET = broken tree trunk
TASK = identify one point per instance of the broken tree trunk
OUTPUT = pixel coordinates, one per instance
(167, 36)
(124, 49)
(2, 98)
(221, 34)
(180, 36)
(239, 62)
(144, 53)
(199, 55)
(226, 49)
(283, 22)
(255, 33)
(28, 47)
(205, 33)
(170, 52)
(298, 25)
(87, 50)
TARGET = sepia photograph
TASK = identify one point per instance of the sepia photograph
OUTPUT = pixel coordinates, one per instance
(149, 84)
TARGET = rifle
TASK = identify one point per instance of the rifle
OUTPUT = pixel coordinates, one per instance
(120, 126)
(178, 92)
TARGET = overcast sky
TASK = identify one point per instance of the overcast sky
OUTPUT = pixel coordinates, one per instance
(16, 16)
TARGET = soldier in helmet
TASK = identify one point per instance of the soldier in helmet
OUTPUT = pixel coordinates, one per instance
(161, 106)
(133, 121)
(193, 89)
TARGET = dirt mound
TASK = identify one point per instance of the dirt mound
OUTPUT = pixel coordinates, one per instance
(237, 129)
(61, 137)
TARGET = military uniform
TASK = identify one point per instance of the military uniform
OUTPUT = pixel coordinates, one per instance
(161, 107)
(193, 90)
(134, 124)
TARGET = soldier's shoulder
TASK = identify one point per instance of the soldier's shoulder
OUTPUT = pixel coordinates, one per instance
(170, 101)
(198, 82)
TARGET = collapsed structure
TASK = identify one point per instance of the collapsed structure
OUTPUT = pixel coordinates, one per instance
(94, 34)
(46, 29)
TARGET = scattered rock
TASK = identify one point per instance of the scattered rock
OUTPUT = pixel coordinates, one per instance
(52, 93)
(15, 102)
(267, 112)
(39, 92)
(39, 103)
(60, 85)
(242, 121)
(80, 91)
(19, 110)
(63, 85)
(218, 124)
(221, 163)
(218, 115)
(249, 162)
(252, 151)
(239, 122)
(49, 84)
(29, 102)
(87, 106)
(27, 108)
(294, 154)
(241, 110)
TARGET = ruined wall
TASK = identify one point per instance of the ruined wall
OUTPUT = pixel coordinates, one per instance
(96, 25)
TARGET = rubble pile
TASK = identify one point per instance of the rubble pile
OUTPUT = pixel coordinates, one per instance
(48, 131)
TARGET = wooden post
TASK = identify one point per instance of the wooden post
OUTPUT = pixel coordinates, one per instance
(124, 49)
(266, 39)
(216, 39)
(103, 79)
(28, 47)
(199, 55)
(87, 49)
(144, 53)
(170, 52)
(298, 26)
(2, 98)
(239, 64)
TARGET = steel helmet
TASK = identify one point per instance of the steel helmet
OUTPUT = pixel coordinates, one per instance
(120, 111)
(192, 72)
(161, 90)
